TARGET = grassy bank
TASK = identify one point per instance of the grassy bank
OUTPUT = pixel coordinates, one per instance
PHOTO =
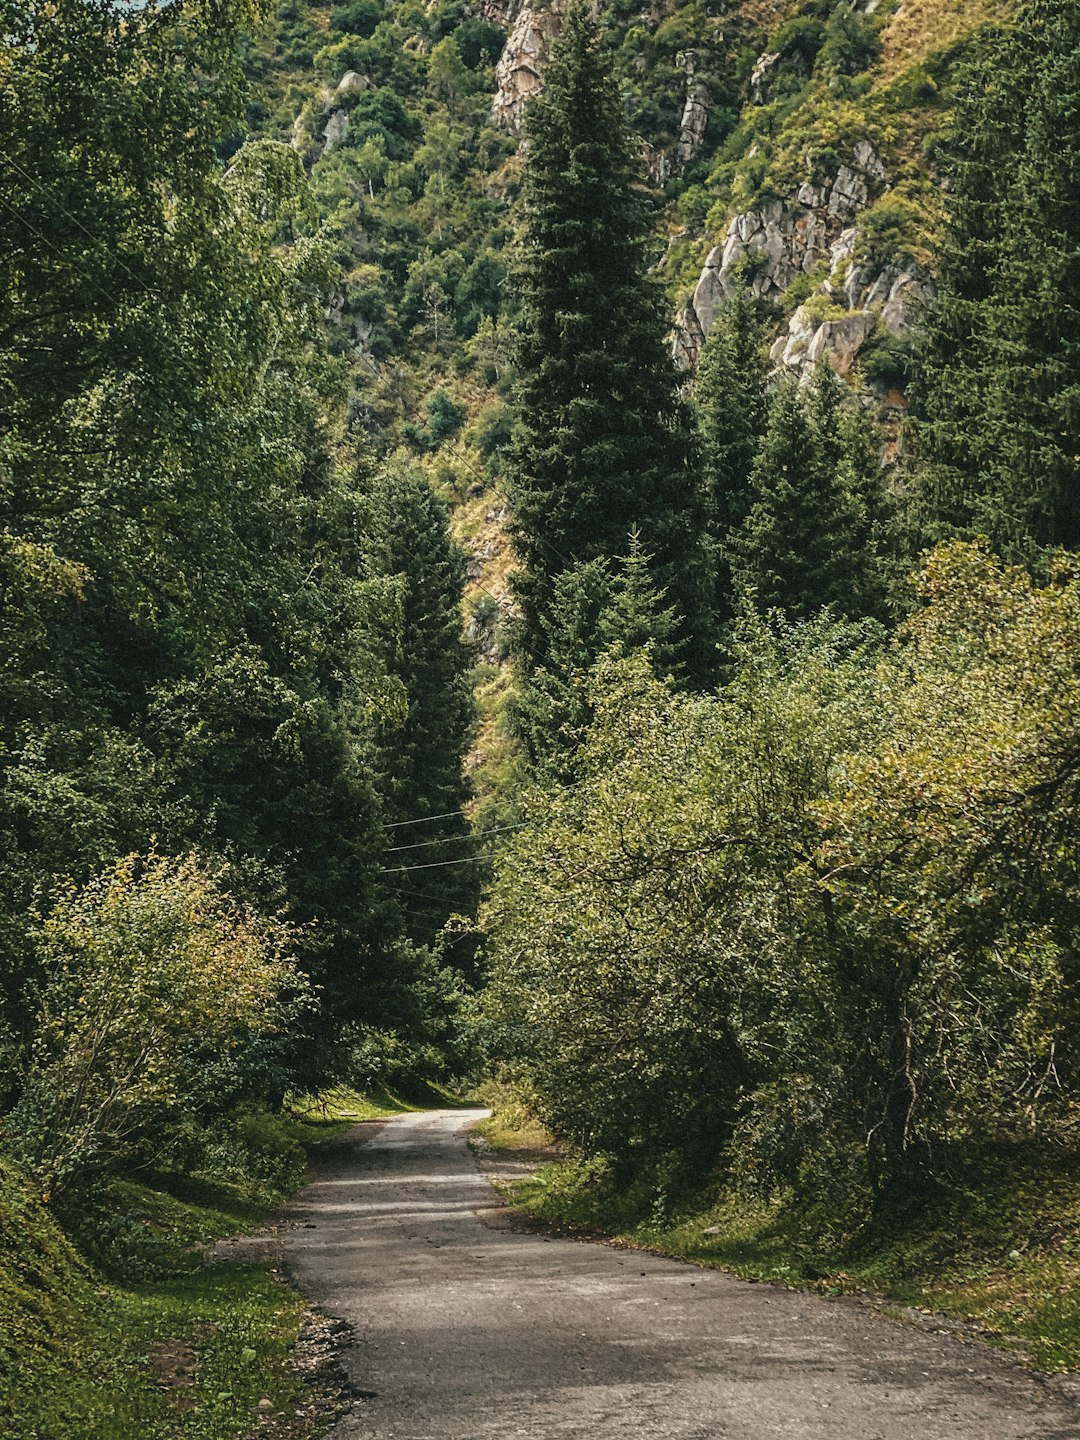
(999, 1244)
(169, 1346)
(342, 1105)
(114, 1327)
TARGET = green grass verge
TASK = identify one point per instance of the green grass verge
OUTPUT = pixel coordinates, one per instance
(510, 1128)
(999, 1244)
(167, 1347)
(188, 1352)
(331, 1111)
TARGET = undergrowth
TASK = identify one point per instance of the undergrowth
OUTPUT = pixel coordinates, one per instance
(150, 1342)
(114, 1326)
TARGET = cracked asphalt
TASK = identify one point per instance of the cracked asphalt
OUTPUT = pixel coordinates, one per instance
(468, 1329)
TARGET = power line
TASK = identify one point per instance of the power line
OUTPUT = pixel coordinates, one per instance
(56, 249)
(423, 820)
(451, 839)
(150, 290)
(434, 865)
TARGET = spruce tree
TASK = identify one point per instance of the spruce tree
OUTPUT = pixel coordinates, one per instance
(600, 609)
(810, 538)
(997, 397)
(422, 773)
(601, 443)
(730, 414)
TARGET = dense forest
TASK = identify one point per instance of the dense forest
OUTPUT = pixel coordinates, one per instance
(539, 541)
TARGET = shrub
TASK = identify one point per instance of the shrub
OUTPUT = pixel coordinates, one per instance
(851, 45)
(445, 417)
(890, 230)
(149, 971)
(821, 926)
(798, 40)
(358, 17)
(480, 42)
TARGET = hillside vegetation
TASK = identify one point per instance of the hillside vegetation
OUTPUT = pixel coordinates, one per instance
(537, 542)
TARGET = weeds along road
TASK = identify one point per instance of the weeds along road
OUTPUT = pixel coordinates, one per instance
(467, 1329)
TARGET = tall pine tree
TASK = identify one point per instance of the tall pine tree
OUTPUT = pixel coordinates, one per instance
(422, 759)
(730, 414)
(599, 608)
(813, 534)
(601, 447)
(997, 398)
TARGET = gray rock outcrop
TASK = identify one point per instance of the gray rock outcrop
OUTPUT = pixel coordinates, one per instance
(864, 295)
(334, 130)
(671, 160)
(761, 76)
(768, 247)
(519, 73)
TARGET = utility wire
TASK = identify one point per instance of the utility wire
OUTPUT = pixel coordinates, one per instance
(56, 249)
(7, 159)
(434, 865)
(423, 820)
(451, 839)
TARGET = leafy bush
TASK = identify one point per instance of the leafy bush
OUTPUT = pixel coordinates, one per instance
(798, 40)
(852, 43)
(479, 293)
(445, 417)
(358, 17)
(888, 361)
(822, 925)
(480, 42)
(381, 113)
(892, 229)
(149, 971)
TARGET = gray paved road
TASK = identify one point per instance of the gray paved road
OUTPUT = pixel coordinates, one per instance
(468, 1331)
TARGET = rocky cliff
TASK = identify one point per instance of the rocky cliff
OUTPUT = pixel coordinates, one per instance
(830, 118)
(815, 230)
(518, 75)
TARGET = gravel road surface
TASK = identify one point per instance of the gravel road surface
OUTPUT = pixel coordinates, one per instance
(467, 1329)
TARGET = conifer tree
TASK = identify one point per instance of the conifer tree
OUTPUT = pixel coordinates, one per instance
(601, 445)
(730, 414)
(811, 537)
(997, 397)
(422, 758)
(600, 609)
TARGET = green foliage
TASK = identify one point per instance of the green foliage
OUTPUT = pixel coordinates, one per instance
(891, 230)
(444, 416)
(196, 627)
(753, 928)
(358, 17)
(479, 41)
(997, 374)
(799, 40)
(381, 114)
(147, 972)
(422, 756)
(599, 609)
(852, 43)
(86, 1357)
(600, 446)
(730, 412)
(815, 530)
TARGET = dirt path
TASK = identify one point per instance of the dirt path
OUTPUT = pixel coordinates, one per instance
(467, 1329)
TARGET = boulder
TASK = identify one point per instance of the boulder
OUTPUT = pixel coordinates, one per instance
(839, 341)
(519, 73)
(353, 83)
(334, 130)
